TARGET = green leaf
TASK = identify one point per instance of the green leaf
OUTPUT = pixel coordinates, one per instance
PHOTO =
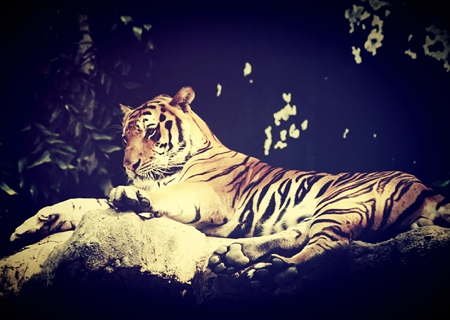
(38, 148)
(55, 115)
(67, 147)
(44, 130)
(78, 129)
(149, 46)
(126, 19)
(131, 85)
(25, 128)
(7, 189)
(44, 158)
(34, 192)
(62, 152)
(72, 108)
(75, 176)
(108, 84)
(126, 67)
(22, 182)
(88, 126)
(53, 140)
(108, 148)
(100, 136)
(102, 78)
(147, 26)
(117, 64)
(441, 184)
(63, 165)
(137, 31)
(21, 164)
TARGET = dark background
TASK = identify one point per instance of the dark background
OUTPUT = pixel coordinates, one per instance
(302, 48)
(305, 49)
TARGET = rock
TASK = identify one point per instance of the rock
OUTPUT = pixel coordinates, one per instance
(118, 264)
(18, 269)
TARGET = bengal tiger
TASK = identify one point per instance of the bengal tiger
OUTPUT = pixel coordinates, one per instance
(179, 169)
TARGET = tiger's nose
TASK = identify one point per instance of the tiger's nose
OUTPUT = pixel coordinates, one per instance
(132, 166)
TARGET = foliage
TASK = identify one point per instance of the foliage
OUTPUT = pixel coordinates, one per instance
(70, 136)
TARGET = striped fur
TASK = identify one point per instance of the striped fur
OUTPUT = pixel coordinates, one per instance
(181, 170)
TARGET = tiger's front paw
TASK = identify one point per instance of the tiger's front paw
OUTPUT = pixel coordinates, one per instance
(57, 218)
(131, 198)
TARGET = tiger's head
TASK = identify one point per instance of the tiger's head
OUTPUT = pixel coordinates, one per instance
(160, 136)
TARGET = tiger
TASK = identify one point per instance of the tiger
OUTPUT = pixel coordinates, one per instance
(279, 219)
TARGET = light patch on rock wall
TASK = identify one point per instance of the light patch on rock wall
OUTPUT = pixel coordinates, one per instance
(442, 39)
(346, 131)
(268, 141)
(357, 54)
(248, 71)
(290, 132)
(376, 4)
(304, 124)
(410, 53)
(293, 131)
(357, 15)
(436, 43)
(286, 112)
(375, 37)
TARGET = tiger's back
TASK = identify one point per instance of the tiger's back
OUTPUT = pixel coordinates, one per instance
(265, 200)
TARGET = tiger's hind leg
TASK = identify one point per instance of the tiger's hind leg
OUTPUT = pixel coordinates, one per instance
(281, 270)
(435, 211)
(247, 251)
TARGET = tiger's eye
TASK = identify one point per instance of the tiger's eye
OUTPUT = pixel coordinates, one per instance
(150, 133)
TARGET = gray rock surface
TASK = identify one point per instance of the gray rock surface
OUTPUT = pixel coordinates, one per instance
(117, 264)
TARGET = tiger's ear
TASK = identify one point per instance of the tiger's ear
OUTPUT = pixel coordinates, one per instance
(126, 112)
(183, 98)
(125, 109)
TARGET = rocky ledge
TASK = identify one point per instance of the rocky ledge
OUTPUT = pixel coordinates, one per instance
(119, 265)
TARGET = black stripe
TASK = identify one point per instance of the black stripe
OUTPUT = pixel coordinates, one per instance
(197, 216)
(180, 131)
(394, 228)
(285, 201)
(244, 226)
(283, 211)
(305, 187)
(269, 210)
(168, 126)
(240, 174)
(370, 215)
(335, 229)
(324, 188)
(228, 170)
(390, 201)
(268, 171)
